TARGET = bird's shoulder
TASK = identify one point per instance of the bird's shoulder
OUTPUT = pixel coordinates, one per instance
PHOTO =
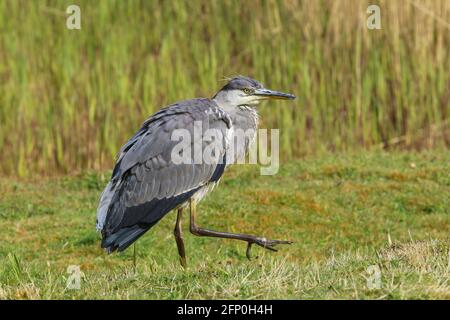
(195, 109)
(153, 140)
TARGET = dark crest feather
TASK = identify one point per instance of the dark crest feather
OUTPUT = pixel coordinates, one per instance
(241, 82)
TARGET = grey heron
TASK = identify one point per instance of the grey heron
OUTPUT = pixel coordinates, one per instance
(147, 183)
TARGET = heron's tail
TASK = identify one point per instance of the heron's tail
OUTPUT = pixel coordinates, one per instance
(105, 200)
(123, 238)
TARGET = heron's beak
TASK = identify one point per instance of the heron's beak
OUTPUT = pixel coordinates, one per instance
(272, 94)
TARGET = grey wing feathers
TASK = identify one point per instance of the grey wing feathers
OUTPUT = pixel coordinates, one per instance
(146, 184)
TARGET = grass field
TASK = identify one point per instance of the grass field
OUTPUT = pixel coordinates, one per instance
(364, 185)
(345, 213)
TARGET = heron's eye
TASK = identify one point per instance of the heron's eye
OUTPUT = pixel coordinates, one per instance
(247, 90)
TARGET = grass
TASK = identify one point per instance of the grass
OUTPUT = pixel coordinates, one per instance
(69, 99)
(348, 214)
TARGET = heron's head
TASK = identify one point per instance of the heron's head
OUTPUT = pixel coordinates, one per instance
(244, 91)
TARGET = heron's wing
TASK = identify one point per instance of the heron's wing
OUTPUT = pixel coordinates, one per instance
(147, 182)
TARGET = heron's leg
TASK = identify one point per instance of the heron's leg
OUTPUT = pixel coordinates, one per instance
(250, 239)
(134, 257)
(179, 238)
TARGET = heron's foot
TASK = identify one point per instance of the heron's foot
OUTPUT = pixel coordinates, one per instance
(265, 243)
(183, 262)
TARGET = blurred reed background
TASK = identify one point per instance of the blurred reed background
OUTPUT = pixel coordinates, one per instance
(69, 99)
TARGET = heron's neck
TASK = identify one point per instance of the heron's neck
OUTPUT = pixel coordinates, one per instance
(250, 114)
(244, 121)
(243, 116)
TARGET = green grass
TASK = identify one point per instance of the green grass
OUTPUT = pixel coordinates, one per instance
(69, 99)
(344, 212)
